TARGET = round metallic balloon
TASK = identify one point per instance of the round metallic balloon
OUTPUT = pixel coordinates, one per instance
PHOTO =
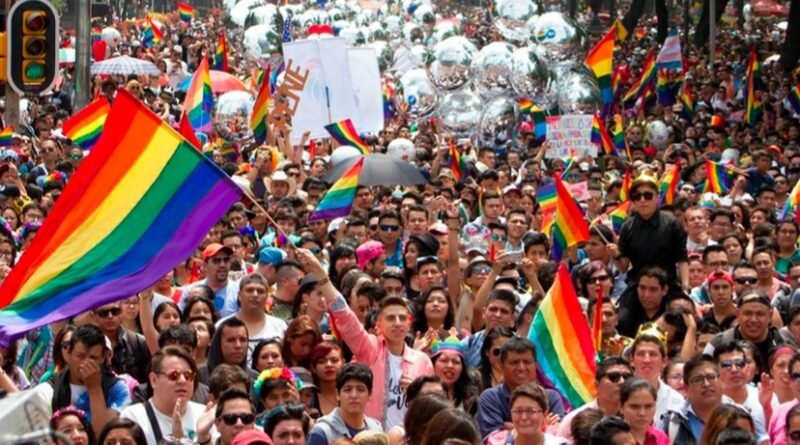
(531, 77)
(578, 93)
(424, 14)
(459, 112)
(353, 36)
(335, 14)
(385, 54)
(491, 69)
(498, 122)
(416, 94)
(658, 134)
(561, 37)
(422, 55)
(413, 33)
(511, 19)
(452, 60)
(444, 30)
(402, 149)
(393, 25)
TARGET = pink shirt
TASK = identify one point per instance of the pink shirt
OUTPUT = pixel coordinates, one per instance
(777, 423)
(654, 436)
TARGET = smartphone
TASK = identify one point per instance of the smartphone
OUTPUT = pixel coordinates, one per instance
(515, 256)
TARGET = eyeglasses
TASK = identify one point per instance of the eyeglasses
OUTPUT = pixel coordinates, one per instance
(389, 227)
(481, 269)
(373, 227)
(647, 196)
(614, 377)
(730, 364)
(699, 379)
(745, 280)
(103, 313)
(231, 418)
(526, 411)
(599, 278)
(496, 237)
(175, 375)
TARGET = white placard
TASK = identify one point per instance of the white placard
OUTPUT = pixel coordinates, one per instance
(365, 79)
(568, 133)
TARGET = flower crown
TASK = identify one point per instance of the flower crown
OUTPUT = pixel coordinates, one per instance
(275, 374)
(69, 410)
(451, 343)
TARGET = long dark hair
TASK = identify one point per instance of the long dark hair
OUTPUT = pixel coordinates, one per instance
(465, 390)
(420, 323)
(122, 423)
(191, 301)
(72, 411)
(340, 251)
(485, 368)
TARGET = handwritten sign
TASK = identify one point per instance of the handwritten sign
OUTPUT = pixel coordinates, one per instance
(580, 191)
(287, 98)
(571, 132)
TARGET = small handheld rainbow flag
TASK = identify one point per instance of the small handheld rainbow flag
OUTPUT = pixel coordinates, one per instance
(344, 132)
(570, 163)
(546, 197)
(647, 77)
(618, 135)
(258, 120)
(5, 136)
(570, 227)
(600, 136)
(185, 12)
(753, 110)
(668, 186)
(97, 34)
(221, 54)
(563, 342)
(791, 201)
(794, 98)
(687, 111)
(618, 215)
(339, 199)
(718, 178)
(627, 181)
(667, 87)
(600, 62)
(457, 164)
(84, 127)
(525, 106)
(152, 33)
(199, 101)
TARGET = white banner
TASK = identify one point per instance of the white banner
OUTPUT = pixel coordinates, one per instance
(365, 81)
(568, 133)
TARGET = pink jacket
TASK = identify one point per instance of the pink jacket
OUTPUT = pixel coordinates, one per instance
(777, 423)
(373, 351)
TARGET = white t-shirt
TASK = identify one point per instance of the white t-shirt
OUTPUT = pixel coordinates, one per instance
(667, 399)
(396, 402)
(138, 414)
(753, 406)
(274, 327)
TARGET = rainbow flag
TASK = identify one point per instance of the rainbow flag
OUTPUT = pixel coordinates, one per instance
(563, 341)
(525, 106)
(152, 33)
(753, 110)
(344, 132)
(618, 135)
(339, 199)
(85, 126)
(6, 136)
(791, 201)
(258, 120)
(387, 93)
(687, 111)
(622, 31)
(539, 121)
(600, 136)
(457, 164)
(199, 102)
(668, 186)
(185, 129)
(141, 202)
(546, 197)
(667, 87)
(618, 215)
(718, 178)
(185, 12)
(221, 54)
(616, 80)
(97, 34)
(625, 190)
(794, 98)
(717, 121)
(600, 62)
(570, 227)
(570, 163)
(646, 78)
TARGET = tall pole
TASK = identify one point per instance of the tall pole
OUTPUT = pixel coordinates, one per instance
(82, 54)
(712, 33)
(12, 98)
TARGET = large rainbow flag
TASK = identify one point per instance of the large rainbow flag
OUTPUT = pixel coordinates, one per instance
(564, 348)
(600, 62)
(344, 132)
(339, 199)
(141, 202)
(753, 110)
(85, 126)
(570, 228)
(258, 120)
(185, 12)
(199, 102)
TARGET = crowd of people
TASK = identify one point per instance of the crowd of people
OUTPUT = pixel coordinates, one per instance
(407, 321)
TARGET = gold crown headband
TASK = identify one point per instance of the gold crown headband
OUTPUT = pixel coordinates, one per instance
(652, 330)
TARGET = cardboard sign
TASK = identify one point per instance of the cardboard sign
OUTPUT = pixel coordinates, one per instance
(287, 98)
(568, 133)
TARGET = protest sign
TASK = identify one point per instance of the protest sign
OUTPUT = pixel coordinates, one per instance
(580, 191)
(570, 133)
(365, 80)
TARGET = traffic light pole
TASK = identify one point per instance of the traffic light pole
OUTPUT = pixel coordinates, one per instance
(83, 42)
(11, 115)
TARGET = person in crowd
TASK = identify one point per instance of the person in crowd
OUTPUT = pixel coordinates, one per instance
(287, 425)
(122, 430)
(72, 423)
(611, 430)
(130, 353)
(528, 411)
(638, 405)
(724, 417)
(730, 360)
(704, 395)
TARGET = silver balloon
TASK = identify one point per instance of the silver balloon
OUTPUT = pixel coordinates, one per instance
(416, 93)
(443, 30)
(578, 93)
(498, 121)
(421, 55)
(459, 113)
(234, 102)
(393, 25)
(492, 68)
(453, 58)
(111, 36)
(402, 149)
(658, 134)
(385, 54)
(353, 36)
(413, 33)
(561, 37)
(512, 16)
(424, 14)
(335, 14)
(531, 78)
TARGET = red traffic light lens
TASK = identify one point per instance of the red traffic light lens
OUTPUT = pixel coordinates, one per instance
(35, 21)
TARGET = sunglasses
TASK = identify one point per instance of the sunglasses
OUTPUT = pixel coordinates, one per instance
(231, 418)
(175, 375)
(647, 196)
(599, 279)
(389, 227)
(746, 280)
(373, 227)
(103, 313)
(730, 364)
(496, 238)
(481, 269)
(614, 377)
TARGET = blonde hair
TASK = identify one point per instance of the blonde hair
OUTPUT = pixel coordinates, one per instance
(371, 438)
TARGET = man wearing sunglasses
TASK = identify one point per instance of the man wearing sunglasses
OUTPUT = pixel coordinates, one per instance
(173, 377)
(390, 230)
(730, 359)
(234, 414)
(130, 354)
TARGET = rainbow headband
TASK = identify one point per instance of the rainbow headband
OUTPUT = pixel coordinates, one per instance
(451, 343)
(276, 374)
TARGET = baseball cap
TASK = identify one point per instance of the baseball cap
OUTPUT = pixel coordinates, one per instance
(368, 252)
(251, 437)
(304, 376)
(271, 256)
(215, 248)
(719, 275)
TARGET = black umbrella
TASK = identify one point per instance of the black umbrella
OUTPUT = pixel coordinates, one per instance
(378, 169)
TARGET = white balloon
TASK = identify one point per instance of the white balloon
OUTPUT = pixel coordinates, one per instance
(658, 134)
(402, 149)
(343, 153)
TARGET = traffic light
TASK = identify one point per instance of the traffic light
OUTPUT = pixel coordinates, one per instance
(32, 33)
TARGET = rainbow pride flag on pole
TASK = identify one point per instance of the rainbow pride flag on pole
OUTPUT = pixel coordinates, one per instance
(344, 132)
(152, 34)
(258, 120)
(84, 127)
(570, 227)
(564, 349)
(600, 62)
(647, 77)
(668, 186)
(616, 216)
(199, 102)
(339, 199)
(185, 12)
(791, 201)
(221, 54)
(457, 164)
(687, 102)
(794, 98)
(625, 190)
(141, 202)
(618, 135)
(753, 110)
(6, 135)
(718, 178)
(600, 136)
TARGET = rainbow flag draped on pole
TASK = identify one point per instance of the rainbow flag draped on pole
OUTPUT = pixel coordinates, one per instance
(564, 349)
(339, 199)
(718, 178)
(152, 33)
(344, 132)
(600, 136)
(625, 189)
(618, 135)
(185, 12)
(221, 54)
(199, 102)
(794, 98)
(687, 102)
(791, 201)
(457, 164)
(141, 202)
(84, 127)
(258, 120)
(570, 227)
(6, 135)
(645, 80)
(600, 62)
(668, 185)
(753, 110)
